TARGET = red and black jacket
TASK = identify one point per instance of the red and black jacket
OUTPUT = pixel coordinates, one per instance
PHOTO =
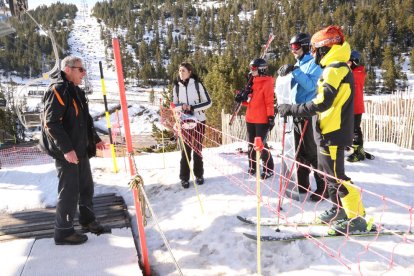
(261, 105)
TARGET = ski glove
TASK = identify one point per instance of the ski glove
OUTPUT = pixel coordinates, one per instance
(285, 110)
(271, 122)
(239, 97)
(286, 69)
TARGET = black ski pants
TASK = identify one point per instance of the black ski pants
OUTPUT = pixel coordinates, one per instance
(358, 138)
(75, 186)
(307, 155)
(331, 160)
(259, 130)
(193, 143)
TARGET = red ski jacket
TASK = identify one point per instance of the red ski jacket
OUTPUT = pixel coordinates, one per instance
(359, 81)
(261, 105)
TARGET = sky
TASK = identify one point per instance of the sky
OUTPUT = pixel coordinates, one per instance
(34, 3)
(206, 238)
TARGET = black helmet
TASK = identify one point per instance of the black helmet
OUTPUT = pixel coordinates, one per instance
(303, 39)
(260, 65)
(355, 57)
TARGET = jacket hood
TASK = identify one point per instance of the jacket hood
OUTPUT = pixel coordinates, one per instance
(305, 58)
(338, 53)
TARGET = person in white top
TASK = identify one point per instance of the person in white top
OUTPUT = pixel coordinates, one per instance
(191, 98)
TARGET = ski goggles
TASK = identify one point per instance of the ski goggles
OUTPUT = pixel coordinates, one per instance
(295, 46)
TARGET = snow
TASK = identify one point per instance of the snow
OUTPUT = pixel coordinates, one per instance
(211, 242)
(206, 238)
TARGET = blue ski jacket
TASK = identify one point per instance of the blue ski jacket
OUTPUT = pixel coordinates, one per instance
(304, 80)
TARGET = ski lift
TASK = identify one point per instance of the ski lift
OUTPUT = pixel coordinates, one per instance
(17, 9)
(5, 28)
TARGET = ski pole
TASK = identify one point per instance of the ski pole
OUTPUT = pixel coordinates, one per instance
(258, 146)
(108, 120)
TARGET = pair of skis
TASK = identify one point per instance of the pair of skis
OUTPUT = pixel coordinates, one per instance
(250, 82)
(371, 231)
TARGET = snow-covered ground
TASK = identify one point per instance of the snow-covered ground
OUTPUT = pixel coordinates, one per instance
(211, 242)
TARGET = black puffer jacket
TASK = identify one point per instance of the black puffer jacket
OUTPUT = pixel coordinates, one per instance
(66, 122)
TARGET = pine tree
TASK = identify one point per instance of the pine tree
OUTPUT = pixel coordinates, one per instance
(390, 73)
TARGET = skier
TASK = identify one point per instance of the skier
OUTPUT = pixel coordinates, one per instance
(333, 127)
(191, 98)
(260, 116)
(359, 80)
(305, 75)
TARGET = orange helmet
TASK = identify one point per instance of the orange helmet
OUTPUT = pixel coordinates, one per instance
(327, 37)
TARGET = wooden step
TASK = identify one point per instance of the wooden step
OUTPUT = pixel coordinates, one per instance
(110, 211)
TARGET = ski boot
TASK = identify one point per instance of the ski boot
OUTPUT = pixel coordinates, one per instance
(266, 175)
(185, 184)
(251, 171)
(349, 226)
(200, 180)
(357, 155)
(334, 214)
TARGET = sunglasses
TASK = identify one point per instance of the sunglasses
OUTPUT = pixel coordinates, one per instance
(295, 46)
(253, 68)
(81, 69)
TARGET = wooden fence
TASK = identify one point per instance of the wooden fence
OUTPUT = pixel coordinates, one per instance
(388, 118)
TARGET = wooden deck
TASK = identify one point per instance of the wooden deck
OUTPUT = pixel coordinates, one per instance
(110, 210)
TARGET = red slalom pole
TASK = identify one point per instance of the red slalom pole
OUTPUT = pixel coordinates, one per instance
(124, 107)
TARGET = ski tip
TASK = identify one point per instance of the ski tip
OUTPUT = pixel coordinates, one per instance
(244, 219)
(250, 236)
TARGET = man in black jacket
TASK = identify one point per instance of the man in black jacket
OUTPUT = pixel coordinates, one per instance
(69, 137)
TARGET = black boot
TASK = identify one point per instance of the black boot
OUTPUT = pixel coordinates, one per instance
(185, 184)
(200, 180)
(74, 239)
(95, 228)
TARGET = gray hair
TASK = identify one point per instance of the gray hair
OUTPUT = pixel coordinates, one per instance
(70, 61)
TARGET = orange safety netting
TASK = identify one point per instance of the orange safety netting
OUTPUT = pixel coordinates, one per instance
(293, 210)
(22, 155)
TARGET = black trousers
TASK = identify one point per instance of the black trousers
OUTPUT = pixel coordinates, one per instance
(331, 160)
(259, 130)
(193, 143)
(75, 186)
(307, 155)
(358, 138)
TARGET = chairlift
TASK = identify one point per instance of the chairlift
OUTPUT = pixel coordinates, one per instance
(5, 28)
(18, 8)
